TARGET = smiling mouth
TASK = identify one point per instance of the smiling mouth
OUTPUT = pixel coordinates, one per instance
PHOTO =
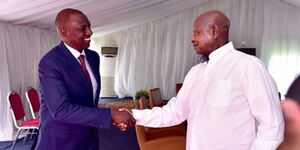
(87, 39)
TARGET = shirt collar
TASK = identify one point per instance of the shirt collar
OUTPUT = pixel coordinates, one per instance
(220, 52)
(74, 52)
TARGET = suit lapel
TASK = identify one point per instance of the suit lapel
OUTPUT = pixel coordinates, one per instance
(92, 65)
(74, 67)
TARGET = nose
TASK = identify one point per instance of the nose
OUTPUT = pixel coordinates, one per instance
(89, 31)
(192, 39)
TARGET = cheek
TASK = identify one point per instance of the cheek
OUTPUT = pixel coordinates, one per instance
(201, 42)
(80, 37)
(77, 36)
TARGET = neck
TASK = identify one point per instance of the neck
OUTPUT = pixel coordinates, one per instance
(74, 47)
(219, 44)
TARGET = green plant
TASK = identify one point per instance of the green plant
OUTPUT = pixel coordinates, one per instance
(141, 93)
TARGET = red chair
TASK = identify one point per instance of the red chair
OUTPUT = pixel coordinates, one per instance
(32, 97)
(20, 122)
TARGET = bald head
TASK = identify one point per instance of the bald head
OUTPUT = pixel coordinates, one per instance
(210, 32)
(64, 15)
(74, 28)
(215, 18)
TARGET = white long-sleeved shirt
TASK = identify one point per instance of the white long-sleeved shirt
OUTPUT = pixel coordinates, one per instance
(221, 100)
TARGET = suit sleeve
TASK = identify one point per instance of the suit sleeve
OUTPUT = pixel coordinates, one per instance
(56, 97)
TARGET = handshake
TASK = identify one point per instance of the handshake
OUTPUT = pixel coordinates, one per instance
(122, 118)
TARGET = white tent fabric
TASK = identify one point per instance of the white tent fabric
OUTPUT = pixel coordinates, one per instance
(106, 16)
(159, 54)
(21, 49)
(281, 42)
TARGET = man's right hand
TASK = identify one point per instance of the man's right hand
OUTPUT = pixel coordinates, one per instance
(122, 119)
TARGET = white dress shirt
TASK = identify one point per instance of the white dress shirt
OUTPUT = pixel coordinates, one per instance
(221, 100)
(76, 54)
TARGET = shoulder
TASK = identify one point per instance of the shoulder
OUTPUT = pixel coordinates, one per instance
(251, 68)
(195, 71)
(91, 53)
(51, 55)
(248, 61)
(55, 57)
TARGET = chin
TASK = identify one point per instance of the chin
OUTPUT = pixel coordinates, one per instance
(86, 46)
(199, 52)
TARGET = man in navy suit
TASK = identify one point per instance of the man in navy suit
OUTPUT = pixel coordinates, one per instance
(70, 86)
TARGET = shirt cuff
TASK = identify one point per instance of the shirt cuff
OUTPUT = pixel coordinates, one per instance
(265, 145)
(137, 114)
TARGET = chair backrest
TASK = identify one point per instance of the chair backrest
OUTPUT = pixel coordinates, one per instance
(16, 106)
(141, 136)
(155, 97)
(143, 103)
(32, 97)
(178, 87)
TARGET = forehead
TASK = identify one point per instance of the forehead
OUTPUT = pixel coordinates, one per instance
(78, 19)
(198, 25)
(202, 22)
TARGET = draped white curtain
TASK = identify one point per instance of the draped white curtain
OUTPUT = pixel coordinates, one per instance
(20, 51)
(159, 53)
(281, 42)
(156, 54)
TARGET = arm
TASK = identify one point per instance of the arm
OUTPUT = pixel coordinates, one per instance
(262, 94)
(173, 113)
(168, 115)
(176, 110)
(58, 100)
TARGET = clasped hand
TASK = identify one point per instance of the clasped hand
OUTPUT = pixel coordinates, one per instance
(122, 118)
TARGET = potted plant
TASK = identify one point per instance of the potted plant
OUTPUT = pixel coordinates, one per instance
(138, 95)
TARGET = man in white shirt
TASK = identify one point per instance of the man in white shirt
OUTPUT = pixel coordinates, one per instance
(223, 98)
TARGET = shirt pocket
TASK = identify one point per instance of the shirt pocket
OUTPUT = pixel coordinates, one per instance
(219, 94)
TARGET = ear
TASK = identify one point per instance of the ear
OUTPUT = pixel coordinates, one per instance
(214, 31)
(63, 32)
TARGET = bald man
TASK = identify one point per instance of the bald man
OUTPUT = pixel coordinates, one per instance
(223, 98)
(70, 85)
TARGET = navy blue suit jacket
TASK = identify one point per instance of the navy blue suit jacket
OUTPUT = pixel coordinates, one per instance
(69, 114)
